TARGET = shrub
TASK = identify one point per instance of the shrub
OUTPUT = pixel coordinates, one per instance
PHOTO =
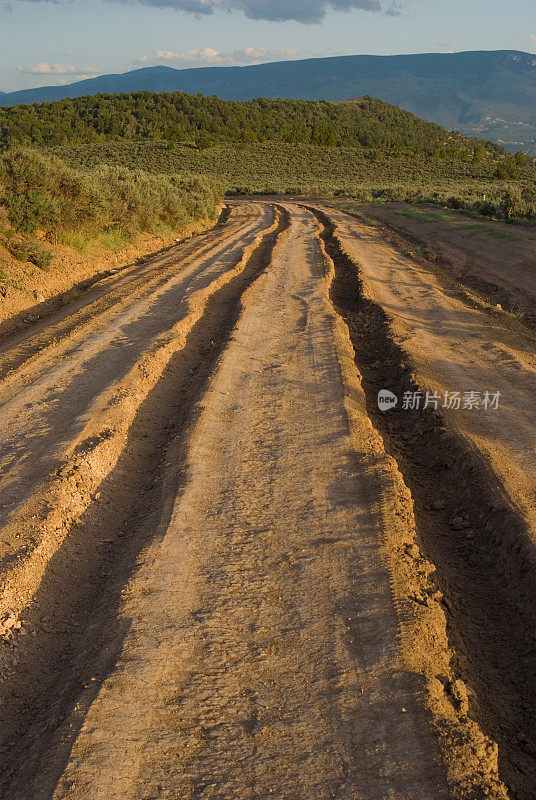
(267, 166)
(32, 210)
(485, 207)
(40, 192)
(511, 202)
(33, 252)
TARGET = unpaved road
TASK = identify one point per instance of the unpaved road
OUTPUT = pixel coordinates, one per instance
(225, 573)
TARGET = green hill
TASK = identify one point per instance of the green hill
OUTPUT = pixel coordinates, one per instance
(490, 94)
(178, 117)
(363, 148)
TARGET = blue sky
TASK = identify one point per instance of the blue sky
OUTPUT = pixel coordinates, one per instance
(50, 42)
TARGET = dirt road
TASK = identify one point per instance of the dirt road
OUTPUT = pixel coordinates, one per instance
(227, 574)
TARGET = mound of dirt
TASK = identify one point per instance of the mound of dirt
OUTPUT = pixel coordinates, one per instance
(25, 287)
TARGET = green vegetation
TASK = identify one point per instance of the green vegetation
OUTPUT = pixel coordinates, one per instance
(476, 229)
(175, 117)
(27, 250)
(422, 216)
(129, 149)
(278, 168)
(41, 196)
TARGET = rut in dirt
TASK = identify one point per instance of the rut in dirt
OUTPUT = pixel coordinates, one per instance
(55, 319)
(81, 590)
(261, 653)
(466, 526)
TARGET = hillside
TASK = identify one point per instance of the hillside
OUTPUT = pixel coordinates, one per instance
(491, 95)
(182, 118)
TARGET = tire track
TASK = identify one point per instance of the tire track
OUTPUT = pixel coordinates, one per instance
(475, 537)
(261, 656)
(46, 403)
(93, 528)
(30, 346)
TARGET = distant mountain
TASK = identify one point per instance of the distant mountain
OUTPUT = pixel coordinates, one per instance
(491, 95)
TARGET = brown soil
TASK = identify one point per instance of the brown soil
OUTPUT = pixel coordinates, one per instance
(225, 573)
(27, 292)
(497, 260)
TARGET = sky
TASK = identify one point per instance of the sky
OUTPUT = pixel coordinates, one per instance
(45, 42)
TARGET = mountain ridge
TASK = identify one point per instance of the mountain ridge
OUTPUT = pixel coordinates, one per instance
(488, 94)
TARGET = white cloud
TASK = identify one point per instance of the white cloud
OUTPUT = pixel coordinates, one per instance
(533, 37)
(208, 57)
(56, 69)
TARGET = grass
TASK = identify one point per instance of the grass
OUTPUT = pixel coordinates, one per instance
(374, 223)
(475, 228)
(77, 241)
(424, 216)
(114, 239)
(163, 228)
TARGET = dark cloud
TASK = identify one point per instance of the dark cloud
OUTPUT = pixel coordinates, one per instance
(308, 11)
(300, 10)
(394, 10)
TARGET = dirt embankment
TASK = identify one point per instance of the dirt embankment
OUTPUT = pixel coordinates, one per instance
(494, 260)
(28, 292)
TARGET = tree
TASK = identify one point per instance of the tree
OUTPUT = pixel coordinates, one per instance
(511, 202)
(479, 154)
(506, 170)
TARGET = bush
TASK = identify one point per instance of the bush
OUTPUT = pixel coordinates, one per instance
(304, 169)
(511, 202)
(40, 192)
(32, 210)
(32, 252)
(486, 208)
